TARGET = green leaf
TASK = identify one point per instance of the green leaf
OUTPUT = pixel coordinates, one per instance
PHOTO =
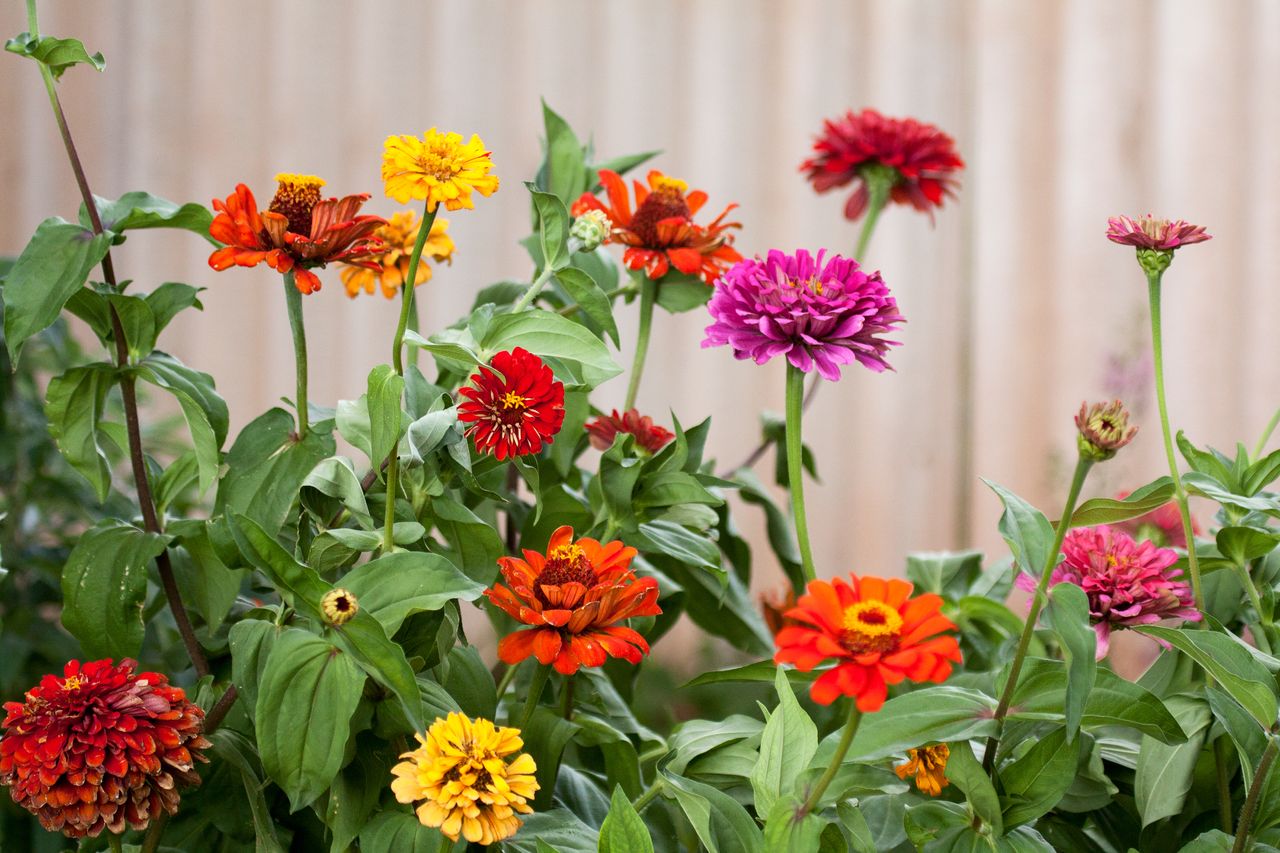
(52, 267)
(1026, 530)
(1249, 738)
(137, 210)
(931, 714)
(336, 478)
(1113, 701)
(553, 228)
(577, 356)
(471, 684)
(1242, 545)
(395, 585)
(58, 54)
(777, 524)
(1211, 464)
(1164, 773)
(1067, 613)
(623, 831)
(946, 573)
(398, 832)
(74, 406)
(251, 641)
(698, 737)
(236, 750)
(789, 829)
(964, 771)
(386, 389)
(1226, 659)
(170, 299)
(104, 584)
(720, 821)
(557, 830)
(1141, 501)
(590, 298)
(354, 794)
(203, 409)
(430, 432)
(207, 585)
(1262, 473)
(476, 545)
(789, 740)
(1038, 780)
(1204, 486)
(137, 321)
(678, 292)
(564, 162)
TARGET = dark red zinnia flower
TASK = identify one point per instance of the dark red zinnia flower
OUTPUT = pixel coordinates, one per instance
(649, 436)
(923, 158)
(514, 405)
(103, 747)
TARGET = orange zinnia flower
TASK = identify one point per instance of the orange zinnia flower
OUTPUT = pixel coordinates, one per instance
(929, 765)
(874, 632)
(661, 233)
(574, 597)
(298, 231)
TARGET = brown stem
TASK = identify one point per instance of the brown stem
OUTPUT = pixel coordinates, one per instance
(220, 708)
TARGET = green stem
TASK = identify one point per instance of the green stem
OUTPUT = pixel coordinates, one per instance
(842, 749)
(446, 843)
(533, 290)
(648, 796)
(795, 468)
(879, 191)
(566, 697)
(415, 325)
(1266, 436)
(151, 843)
(648, 295)
(505, 682)
(540, 677)
(113, 842)
(1222, 752)
(1246, 580)
(1083, 464)
(1180, 494)
(1255, 793)
(293, 301)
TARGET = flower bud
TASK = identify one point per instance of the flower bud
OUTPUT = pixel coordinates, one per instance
(591, 229)
(339, 607)
(1104, 429)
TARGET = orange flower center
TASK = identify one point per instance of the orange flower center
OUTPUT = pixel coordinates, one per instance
(565, 564)
(870, 626)
(296, 196)
(665, 201)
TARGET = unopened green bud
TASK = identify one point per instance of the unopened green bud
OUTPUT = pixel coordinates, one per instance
(1104, 429)
(591, 229)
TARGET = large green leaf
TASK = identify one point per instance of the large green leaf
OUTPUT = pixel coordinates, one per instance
(251, 641)
(395, 585)
(74, 406)
(398, 832)
(137, 322)
(58, 54)
(553, 228)
(476, 545)
(566, 345)
(236, 750)
(722, 824)
(104, 584)
(931, 714)
(789, 740)
(385, 416)
(1164, 773)
(203, 408)
(136, 210)
(1068, 614)
(354, 794)
(590, 299)
(964, 771)
(1249, 738)
(171, 298)
(1230, 663)
(53, 266)
(698, 737)
(623, 831)
(565, 170)
(1026, 530)
(335, 478)
(1037, 780)
(1141, 501)
(1113, 701)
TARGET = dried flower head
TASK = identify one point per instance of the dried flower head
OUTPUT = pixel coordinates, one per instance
(928, 765)
(514, 405)
(1104, 429)
(774, 605)
(439, 168)
(339, 606)
(389, 266)
(650, 438)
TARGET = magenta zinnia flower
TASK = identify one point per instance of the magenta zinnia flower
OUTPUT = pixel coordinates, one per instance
(816, 312)
(1147, 232)
(1128, 582)
(923, 158)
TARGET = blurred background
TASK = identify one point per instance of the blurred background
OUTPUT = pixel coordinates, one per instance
(1018, 307)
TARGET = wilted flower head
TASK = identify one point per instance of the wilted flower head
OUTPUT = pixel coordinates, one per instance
(103, 747)
(1163, 525)
(389, 266)
(928, 765)
(774, 605)
(1104, 429)
(1147, 232)
(918, 159)
(1127, 582)
(819, 312)
(649, 436)
(462, 781)
(298, 232)
(591, 228)
(439, 168)
(339, 606)
(514, 405)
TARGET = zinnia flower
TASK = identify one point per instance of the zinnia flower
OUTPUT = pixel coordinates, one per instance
(514, 405)
(103, 747)
(1104, 428)
(1127, 582)
(439, 168)
(920, 160)
(464, 784)
(389, 267)
(1147, 232)
(574, 598)
(649, 436)
(928, 764)
(815, 311)
(1163, 525)
(661, 233)
(299, 231)
(874, 632)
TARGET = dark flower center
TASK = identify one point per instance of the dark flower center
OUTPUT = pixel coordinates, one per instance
(295, 198)
(664, 202)
(565, 564)
(870, 626)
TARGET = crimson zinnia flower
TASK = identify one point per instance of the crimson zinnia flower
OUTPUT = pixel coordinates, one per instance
(574, 597)
(514, 405)
(1128, 582)
(1163, 525)
(1147, 232)
(103, 747)
(874, 632)
(650, 437)
(299, 230)
(661, 233)
(922, 158)
(816, 311)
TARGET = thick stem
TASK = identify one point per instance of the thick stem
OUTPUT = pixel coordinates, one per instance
(539, 681)
(648, 294)
(505, 682)
(650, 794)
(1265, 437)
(566, 697)
(842, 749)
(220, 708)
(1255, 794)
(1222, 750)
(1083, 464)
(113, 842)
(795, 468)
(293, 302)
(533, 290)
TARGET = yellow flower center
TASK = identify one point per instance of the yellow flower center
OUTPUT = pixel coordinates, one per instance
(440, 158)
(565, 564)
(512, 400)
(870, 626)
(667, 184)
(74, 682)
(296, 196)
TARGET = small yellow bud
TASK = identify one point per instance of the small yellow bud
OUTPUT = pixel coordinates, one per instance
(339, 606)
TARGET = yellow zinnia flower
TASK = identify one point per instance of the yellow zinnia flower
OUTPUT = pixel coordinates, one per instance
(398, 237)
(462, 782)
(439, 167)
(928, 764)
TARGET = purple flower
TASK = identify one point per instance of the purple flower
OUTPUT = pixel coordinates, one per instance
(818, 313)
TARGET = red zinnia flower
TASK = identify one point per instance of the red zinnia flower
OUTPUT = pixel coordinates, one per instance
(300, 230)
(874, 632)
(1163, 525)
(103, 747)
(924, 160)
(661, 233)
(515, 406)
(574, 597)
(649, 436)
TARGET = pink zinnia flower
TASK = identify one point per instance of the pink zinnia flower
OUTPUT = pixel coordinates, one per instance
(1128, 582)
(650, 437)
(1147, 232)
(1163, 525)
(924, 159)
(815, 311)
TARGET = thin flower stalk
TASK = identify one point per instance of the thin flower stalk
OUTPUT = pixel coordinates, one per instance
(648, 296)
(293, 302)
(795, 470)
(837, 759)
